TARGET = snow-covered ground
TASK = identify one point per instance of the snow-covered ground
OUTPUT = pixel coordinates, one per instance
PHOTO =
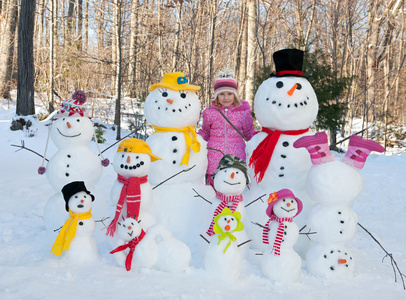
(29, 271)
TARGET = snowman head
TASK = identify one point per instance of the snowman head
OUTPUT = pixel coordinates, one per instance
(133, 158)
(283, 204)
(77, 198)
(129, 228)
(230, 177)
(286, 101)
(227, 221)
(173, 102)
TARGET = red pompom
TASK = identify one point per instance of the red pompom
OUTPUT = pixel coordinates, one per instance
(80, 96)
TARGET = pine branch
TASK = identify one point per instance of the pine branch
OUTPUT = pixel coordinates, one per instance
(23, 147)
(259, 198)
(184, 170)
(198, 195)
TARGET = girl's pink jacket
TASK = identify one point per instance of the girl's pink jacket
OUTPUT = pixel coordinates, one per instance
(219, 134)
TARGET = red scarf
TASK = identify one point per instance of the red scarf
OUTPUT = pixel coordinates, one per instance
(262, 154)
(276, 248)
(134, 242)
(132, 190)
(225, 200)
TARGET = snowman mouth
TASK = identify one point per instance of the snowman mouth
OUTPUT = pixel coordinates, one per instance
(133, 167)
(80, 206)
(67, 135)
(130, 233)
(232, 183)
(288, 210)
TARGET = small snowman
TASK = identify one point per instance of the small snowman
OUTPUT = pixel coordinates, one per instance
(173, 110)
(285, 106)
(230, 180)
(131, 193)
(72, 131)
(334, 185)
(155, 248)
(76, 235)
(282, 263)
(223, 257)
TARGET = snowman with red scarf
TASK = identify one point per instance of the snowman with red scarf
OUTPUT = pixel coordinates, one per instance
(285, 105)
(282, 263)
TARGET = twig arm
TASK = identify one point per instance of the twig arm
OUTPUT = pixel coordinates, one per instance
(22, 146)
(184, 170)
(198, 195)
(259, 198)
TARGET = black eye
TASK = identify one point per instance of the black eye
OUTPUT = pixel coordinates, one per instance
(84, 196)
(225, 219)
(76, 196)
(299, 86)
(78, 120)
(232, 219)
(164, 94)
(124, 225)
(284, 200)
(63, 119)
(136, 157)
(183, 95)
(279, 84)
(291, 201)
(132, 223)
(122, 155)
(236, 172)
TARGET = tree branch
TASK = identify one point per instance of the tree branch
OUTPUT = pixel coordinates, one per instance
(205, 239)
(23, 147)
(198, 195)
(259, 198)
(184, 170)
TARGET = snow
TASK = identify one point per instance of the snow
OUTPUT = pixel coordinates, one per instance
(30, 271)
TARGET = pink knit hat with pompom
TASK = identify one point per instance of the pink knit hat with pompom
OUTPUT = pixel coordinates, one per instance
(225, 82)
(72, 106)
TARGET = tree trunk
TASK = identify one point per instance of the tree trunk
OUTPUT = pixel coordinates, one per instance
(242, 70)
(7, 48)
(71, 22)
(175, 57)
(132, 67)
(213, 17)
(51, 56)
(86, 33)
(251, 51)
(25, 77)
(117, 46)
(80, 26)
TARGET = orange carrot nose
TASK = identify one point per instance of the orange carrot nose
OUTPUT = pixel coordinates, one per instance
(290, 92)
(342, 261)
(232, 175)
(129, 227)
(170, 101)
(287, 204)
(68, 124)
(82, 200)
(228, 221)
(227, 227)
(128, 159)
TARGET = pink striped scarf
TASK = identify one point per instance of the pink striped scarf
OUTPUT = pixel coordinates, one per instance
(132, 191)
(225, 201)
(276, 248)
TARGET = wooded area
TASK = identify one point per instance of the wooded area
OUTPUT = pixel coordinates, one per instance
(119, 48)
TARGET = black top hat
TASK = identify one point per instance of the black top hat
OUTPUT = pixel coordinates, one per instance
(288, 62)
(71, 189)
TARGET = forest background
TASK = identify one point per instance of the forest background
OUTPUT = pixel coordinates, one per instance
(115, 50)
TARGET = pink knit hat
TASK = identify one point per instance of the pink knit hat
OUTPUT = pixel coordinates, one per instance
(279, 195)
(72, 106)
(225, 82)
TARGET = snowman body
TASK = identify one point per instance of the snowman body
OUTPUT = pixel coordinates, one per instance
(73, 161)
(289, 105)
(174, 205)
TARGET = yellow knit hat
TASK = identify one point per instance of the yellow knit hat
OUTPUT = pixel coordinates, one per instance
(133, 145)
(175, 81)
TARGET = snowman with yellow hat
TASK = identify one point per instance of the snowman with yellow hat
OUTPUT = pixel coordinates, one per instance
(173, 110)
(131, 192)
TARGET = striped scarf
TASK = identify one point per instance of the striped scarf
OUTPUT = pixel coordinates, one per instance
(68, 232)
(132, 191)
(276, 248)
(134, 242)
(225, 201)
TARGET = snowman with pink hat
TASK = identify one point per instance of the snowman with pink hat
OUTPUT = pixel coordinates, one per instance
(281, 263)
(334, 185)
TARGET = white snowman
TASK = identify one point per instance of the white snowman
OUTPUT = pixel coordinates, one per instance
(71, 131)
(173, 109)
(76, 235)
(155, 248)
(131, 193)
(282, 263)
(230, 180)
(285, 105)
(223, 257)
(334, 185)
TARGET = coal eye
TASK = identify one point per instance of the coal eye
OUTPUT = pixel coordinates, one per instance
(78, 120)
(279, 84)
(284, 200)
(132, 223)
(232, 219)
(299, 86)
(183, 95)
(136, 157)
(84, 196)
(76, 196)
(122, 155)
(164, 94)
(63, 119)
(225, 219)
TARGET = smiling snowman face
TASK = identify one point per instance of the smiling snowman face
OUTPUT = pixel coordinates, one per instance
(129, 164)
(174, 109)
(285, 208)
(286, 103)
(80, 203)
(129, 229)
(230, 181)
(72, 131)
(227, 223)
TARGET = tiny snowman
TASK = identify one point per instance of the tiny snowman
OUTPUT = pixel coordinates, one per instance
(285, 106)
(334, 185)
(155, 248)
(72, 131)
(223, 257)
(76, 235)
(131, 192)
(230, 180)
(282, 263)
(173, 110)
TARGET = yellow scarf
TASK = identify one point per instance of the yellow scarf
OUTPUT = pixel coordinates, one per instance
(68, 232)
(190, 138)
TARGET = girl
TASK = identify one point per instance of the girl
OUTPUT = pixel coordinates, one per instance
(219, 134)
